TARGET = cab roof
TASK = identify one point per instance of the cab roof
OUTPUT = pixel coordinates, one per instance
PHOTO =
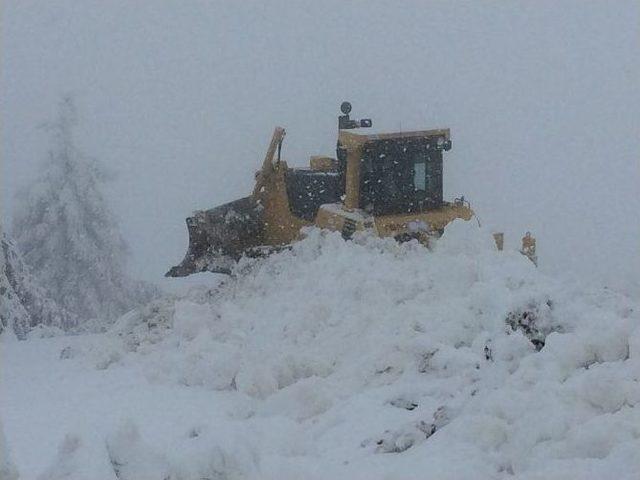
(352, 139)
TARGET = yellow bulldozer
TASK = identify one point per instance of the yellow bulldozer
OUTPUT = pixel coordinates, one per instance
(388, 183)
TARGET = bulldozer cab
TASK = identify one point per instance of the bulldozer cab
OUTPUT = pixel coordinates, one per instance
(394, 173)
(400, 176)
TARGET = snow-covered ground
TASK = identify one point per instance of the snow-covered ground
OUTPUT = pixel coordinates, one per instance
(354, 360)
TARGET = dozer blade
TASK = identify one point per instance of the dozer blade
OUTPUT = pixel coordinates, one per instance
(220, 236)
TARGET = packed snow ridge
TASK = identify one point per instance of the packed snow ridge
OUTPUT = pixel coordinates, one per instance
(360, 360)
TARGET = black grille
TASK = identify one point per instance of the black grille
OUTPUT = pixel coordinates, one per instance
(309, 189)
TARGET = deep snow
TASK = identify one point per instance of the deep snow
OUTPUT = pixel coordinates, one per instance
(363, 359)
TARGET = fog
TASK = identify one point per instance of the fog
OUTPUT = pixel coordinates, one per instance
(180, 98)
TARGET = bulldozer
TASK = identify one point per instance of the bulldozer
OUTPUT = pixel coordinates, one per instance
(386, 183)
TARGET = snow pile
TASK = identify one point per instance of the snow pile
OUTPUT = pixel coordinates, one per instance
(7, 468)
(369, 359)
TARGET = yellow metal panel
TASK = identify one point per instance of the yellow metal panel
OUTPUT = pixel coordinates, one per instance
(437, 219)
(352, 193)
(329, 220)
(333, 216)
(351, 139)
(322, 164)
(280, 225)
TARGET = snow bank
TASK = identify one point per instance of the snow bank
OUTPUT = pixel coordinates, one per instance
(369, 359)
(7, 468)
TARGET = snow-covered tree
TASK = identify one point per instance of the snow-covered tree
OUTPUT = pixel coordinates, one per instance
(24, 304)
(13, 315)
(67, 234)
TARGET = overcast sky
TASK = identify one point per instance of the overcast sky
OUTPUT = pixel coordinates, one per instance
(180, 98)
